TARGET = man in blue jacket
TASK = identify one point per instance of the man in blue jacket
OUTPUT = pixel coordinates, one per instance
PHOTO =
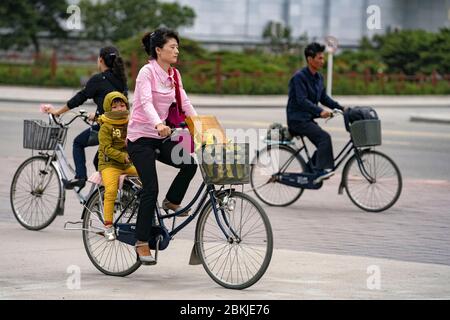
(306, 90)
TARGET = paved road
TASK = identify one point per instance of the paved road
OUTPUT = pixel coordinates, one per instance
(322, 226)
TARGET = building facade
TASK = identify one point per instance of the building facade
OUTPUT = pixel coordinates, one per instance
(240, 22)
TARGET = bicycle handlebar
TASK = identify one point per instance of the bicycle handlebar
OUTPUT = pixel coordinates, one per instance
(172, 133)
(335, 112)
(80, 114)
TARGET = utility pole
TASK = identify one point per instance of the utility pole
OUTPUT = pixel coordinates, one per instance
(247, 18)
(332, 45)
(286, 12)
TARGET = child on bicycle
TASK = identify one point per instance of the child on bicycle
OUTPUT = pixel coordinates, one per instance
(113, 157)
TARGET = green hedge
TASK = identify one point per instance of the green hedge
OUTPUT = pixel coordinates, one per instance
(257, 72)
(201, 79)
(65, 76)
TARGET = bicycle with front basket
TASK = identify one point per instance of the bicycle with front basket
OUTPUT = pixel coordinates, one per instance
(37, 192)
(233, 235)
(371, 179)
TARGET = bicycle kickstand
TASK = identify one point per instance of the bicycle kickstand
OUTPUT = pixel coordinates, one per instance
(72, 223)
(157, 247)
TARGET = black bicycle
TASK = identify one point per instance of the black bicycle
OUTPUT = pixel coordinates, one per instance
(371, 179)
(233, 236)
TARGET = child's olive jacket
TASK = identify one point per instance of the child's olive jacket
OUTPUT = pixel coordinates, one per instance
(112, 150)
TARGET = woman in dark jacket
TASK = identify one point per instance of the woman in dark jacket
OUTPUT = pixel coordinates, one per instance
(111, 78)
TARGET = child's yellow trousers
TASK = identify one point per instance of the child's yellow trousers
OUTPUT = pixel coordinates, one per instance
(110, 177)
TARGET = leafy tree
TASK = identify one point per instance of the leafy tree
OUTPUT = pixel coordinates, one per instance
(121, 19)
(414, 51)
(439, 58)
(278, 35)
(406, 51)
(401, 50)
(24, 20)
(190, 50)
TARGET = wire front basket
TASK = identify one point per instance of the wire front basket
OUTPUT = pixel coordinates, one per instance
(366, 133)
(223, 164)
(39, 135)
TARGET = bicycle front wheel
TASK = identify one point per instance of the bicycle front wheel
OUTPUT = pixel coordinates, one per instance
(113, 258)
(375, 184)
(35, 193)
(241, 260)
(263, 178)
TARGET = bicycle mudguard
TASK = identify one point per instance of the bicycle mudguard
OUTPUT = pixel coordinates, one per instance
(194, 259)
(344, 171)
(62, 201)
(299, 180)
(342, 183)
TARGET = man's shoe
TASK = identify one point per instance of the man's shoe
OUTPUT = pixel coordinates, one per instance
(77, 182)
(322, 175)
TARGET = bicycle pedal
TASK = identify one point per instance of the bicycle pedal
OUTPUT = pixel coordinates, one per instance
(67, 185)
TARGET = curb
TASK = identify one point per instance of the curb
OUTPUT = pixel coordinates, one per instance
(40, 101)
(429, 119)
(243, 105)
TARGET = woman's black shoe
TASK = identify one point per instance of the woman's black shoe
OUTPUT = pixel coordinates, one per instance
(70, 184)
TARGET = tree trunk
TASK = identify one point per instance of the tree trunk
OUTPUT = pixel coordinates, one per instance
(37, 48)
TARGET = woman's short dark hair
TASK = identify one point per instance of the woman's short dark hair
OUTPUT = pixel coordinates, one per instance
(312, 49)
(157, 39)
(114, 61)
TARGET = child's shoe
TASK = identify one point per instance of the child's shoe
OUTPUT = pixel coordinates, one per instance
(110, 232)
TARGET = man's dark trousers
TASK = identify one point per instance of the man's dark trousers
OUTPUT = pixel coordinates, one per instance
(323, 157)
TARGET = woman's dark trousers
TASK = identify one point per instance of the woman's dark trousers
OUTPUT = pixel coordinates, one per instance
(79, 156)
(143, 153)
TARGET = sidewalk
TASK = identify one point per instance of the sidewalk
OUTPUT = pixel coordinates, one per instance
(292, 275)
(59, 96)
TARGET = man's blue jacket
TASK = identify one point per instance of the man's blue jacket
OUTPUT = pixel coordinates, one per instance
(305, 92)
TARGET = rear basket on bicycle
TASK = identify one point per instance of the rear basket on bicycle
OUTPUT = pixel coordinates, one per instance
(223, 164)
(366, 133)
(39, 135)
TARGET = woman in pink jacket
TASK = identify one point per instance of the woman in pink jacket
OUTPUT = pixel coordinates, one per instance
(154, 93)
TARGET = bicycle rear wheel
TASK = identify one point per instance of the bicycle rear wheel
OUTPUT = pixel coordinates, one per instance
(240, 261)
(269, 161)
(113, 258)
(35, 193)
(381, 193)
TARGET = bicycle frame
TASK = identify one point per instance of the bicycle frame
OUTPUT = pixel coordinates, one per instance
(58, 158)
(341, 157)
(210, 191)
